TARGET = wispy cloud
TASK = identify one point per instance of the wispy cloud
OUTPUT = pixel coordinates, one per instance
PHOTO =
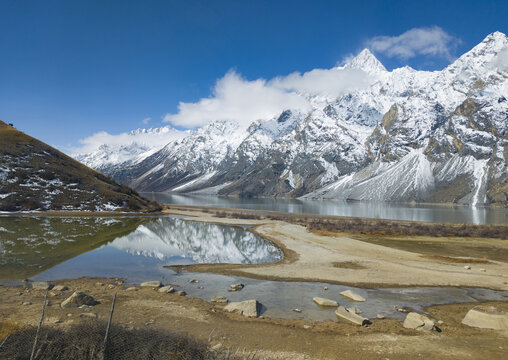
(427, 41)
(145, 121)
(141, 137)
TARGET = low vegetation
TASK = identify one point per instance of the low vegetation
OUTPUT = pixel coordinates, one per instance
(35, 176)
(334, 225)
(85, 341)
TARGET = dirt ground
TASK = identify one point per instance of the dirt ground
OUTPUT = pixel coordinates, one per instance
(335, 258)
(271, 338)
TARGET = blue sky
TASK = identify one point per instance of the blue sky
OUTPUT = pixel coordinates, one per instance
(69, 69)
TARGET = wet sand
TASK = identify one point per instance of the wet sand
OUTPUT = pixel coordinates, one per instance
(347, 261)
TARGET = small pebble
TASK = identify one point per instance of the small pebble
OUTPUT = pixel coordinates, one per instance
(26, 303)
(467, 267)
(297, 310)
(325, 288)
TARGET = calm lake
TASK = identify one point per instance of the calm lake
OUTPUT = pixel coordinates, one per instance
(137, 248)
(427, 213)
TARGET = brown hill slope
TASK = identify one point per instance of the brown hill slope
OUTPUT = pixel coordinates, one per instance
(35, 176)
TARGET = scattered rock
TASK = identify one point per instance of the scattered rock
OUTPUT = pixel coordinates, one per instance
(69, 315)
(380, 316)
(467, 267)
(483, 270)
(89, 315)
(193, 281)
(181, 293)
(99, 284)
(60, 288)
(325, 302)
(352, 295)
(132, 288)
(325, 288)
(220, 300)
(216, 347)
(344, 313)
(403, 309)
(237, 287)
(306, 326)
(52, 294)
(166, 289)
(418, 321)
(111, 286)
(27, 303)
(297, 310)
(486, 317)
(77, 299)
(41, 285)
(155, 284)
(354, 310)
(440, 322)
(119, 283)
(248, 308)
(57, 321)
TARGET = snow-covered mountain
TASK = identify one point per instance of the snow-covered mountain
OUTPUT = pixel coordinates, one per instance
(406, 135)
(128, 148)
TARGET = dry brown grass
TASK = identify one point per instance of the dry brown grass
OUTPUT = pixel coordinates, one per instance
(456, 260)
(337, 226)
(348, 265)
(7, 328)
(29, 158)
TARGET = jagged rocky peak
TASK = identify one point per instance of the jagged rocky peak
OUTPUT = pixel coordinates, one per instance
(485, 53)
(366, 61)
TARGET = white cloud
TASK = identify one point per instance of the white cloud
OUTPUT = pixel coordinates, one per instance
(326, 82)
(237, 99)
(431, 41)
(145, 121)
(151, 138)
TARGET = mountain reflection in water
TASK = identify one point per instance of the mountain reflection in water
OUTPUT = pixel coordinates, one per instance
(165, 238)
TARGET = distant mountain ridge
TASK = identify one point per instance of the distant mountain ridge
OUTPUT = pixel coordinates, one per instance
(35, 176)
(408, 136)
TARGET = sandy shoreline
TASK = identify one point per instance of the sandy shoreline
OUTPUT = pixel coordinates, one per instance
(312, 257)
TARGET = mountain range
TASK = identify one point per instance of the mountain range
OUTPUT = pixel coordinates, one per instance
(403, 136)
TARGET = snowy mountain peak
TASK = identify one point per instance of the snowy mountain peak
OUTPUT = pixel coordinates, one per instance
(366, 61)
(482, 55)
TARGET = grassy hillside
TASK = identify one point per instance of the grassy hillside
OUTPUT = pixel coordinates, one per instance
(35, 176)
